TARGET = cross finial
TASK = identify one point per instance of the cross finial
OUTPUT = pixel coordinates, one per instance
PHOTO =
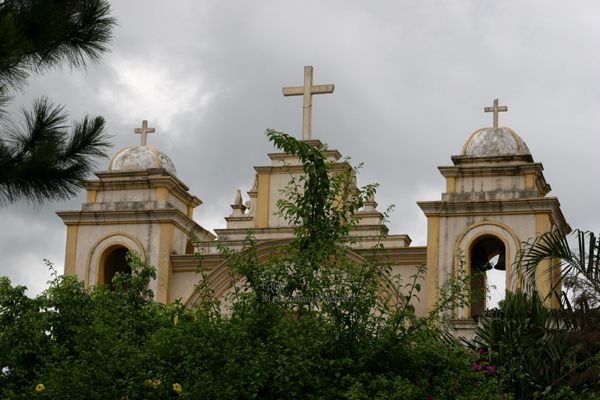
(495, 110)
(307, 91)
(144, 130)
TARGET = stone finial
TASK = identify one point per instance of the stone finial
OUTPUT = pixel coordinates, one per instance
(144, 130)
(495, 109)
(238, 205)
(238, 198)
(370, 205)
(307, 91)
(255, 182)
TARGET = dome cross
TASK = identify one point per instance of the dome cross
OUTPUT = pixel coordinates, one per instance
(144, 130)
(307, 91)
(495, 110)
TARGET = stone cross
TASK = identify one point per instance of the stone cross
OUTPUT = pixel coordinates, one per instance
(144, 130)
(495, 110)
(307, 91)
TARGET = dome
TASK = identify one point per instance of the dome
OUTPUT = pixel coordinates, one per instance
(488, 142)
(137, 158)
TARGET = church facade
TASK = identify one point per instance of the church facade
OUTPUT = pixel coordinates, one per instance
(495, 199)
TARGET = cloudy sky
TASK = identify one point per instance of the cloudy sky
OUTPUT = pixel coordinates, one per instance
(411, 81)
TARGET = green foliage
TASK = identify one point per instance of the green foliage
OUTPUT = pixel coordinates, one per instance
(525, 338)
(42, 161)
(38, 35)
(541, 352)
(42, 158)
(76, 342)
(454, 293)
(576, 269)
(549, 353)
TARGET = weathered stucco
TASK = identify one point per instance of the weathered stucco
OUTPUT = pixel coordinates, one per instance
(137, 158)
(495, 142)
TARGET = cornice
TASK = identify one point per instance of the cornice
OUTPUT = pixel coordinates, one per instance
(549, 205)
(105, 217)
(149, 179)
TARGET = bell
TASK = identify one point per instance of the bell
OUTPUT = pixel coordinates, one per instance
(501, 264)
(479, 258)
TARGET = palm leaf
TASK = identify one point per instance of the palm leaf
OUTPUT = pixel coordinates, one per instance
(577, 269)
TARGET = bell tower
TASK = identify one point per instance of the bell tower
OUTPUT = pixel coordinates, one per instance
(137, 204)
(495, 200)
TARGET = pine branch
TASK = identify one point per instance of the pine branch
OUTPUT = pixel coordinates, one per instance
(45, 160)
(39, 35)
(42, 159)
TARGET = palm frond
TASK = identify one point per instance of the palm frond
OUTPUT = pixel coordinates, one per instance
(576, 269)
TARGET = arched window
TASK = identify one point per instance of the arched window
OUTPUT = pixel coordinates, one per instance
(189, 248)
(483, 251)
(114, 262)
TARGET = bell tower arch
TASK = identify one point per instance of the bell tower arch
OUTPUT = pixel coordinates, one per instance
(112, 260)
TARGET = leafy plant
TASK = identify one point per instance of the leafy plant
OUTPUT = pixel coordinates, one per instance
(526, 340)
(577, 270)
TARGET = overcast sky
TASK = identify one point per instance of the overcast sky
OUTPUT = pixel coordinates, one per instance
(411, 81)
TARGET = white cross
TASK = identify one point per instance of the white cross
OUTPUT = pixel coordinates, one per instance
(307, 91)
(144, 130)
(495, 110)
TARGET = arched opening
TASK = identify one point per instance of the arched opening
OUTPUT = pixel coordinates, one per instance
(482, 257)
(114, 262)
(189, 247)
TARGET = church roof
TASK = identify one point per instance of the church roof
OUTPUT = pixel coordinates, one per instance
(135, 158)
(487, 142)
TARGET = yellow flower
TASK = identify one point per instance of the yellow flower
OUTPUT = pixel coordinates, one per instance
(176, 320)
(195, 319)
(40, 387)
(177, 387)
(155, 383)
(148, 382)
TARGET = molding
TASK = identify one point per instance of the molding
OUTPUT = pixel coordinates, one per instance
(483, 231)
(144, 180)
(549, 205)
(219, 281)
(109, 243)
(508, 158)
(107, 217)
